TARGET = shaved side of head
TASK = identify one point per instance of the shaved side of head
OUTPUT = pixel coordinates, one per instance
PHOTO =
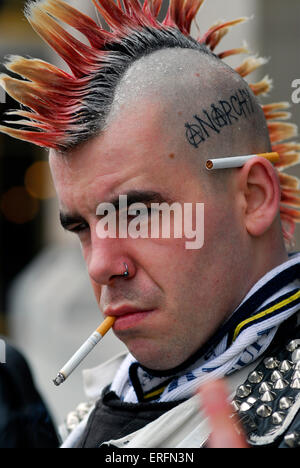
(202, 104)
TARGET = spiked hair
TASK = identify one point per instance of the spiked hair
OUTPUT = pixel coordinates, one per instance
(60, 109)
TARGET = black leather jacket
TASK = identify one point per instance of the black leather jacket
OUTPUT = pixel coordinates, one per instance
(24, 419)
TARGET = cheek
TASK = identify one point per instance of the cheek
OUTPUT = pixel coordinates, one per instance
(221, 226)
(97, 290)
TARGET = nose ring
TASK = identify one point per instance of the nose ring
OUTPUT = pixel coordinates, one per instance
(126, 273)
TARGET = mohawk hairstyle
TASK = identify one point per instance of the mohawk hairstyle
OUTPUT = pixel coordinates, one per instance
(60, 110)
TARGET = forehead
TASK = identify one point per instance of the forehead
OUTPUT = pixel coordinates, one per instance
(134, 152)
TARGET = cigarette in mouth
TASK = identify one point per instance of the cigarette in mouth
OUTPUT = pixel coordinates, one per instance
(84, 350)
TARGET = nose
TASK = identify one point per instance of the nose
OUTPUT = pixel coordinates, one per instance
(108, 260)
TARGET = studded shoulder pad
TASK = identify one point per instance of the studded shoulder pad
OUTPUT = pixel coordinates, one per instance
(75, 417)
(268, 403)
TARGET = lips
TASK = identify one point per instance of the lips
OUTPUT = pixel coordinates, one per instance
(127, 316)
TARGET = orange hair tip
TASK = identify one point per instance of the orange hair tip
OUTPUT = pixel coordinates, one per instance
(262, 87)
(231, 52)
(280, 131)
(288, 160)
(288, 181)
(275, 106)
(291, 199)
(250, 64)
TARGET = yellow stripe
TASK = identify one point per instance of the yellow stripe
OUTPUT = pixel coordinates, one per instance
(265, 312)
(155, 393)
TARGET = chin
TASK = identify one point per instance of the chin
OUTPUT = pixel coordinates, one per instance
(154, 357)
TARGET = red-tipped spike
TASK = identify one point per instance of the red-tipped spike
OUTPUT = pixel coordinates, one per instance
(218, 31)
(114, 16)
(83, 23)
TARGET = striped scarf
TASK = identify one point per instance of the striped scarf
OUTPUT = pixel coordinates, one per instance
(240, 341)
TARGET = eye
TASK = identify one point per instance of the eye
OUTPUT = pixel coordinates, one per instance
(78, 228)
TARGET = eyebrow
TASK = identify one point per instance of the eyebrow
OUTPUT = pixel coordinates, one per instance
(133, 196)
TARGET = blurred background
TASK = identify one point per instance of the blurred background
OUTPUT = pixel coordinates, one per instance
(47, 306)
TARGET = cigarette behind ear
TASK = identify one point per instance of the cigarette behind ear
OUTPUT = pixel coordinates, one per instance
(238, 161)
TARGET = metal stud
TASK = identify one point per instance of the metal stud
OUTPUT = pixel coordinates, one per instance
(285, 366)
(255, 377)
(296, 375)
(264, 387)
(296, 355)
(278, 418)
(271, 363)
(294, 344)
(285, 403)
(251, 401)
(276, 375)
(72, 421)
(245, 407)
(292, 440)
(297, 365)
(267, 397)
(235, 405)
(243, 391)
(280, 384)
(83, 409)
(264, 411)
(295, 384)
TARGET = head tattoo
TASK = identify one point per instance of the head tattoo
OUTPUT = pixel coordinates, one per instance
(61, 110)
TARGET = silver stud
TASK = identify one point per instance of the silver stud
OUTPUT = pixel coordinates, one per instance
(243, 391)
(285, 366)
(267, 397)
(276, 375)
(295, 384)
(271, 363)
(296, 355)
(235, 405)
(296, 375)
(297, 365)
(245, 407)
(294, 344)
(72, 421)
(83, 409)
(285, 403)
(255, 377)
(280, 384)
(264, 411)
(292, 440)
(264, 387)
(278, 418)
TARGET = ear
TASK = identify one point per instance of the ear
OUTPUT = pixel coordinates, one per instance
(261, 194)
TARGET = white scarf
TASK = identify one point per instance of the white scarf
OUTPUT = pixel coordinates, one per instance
(243, 338)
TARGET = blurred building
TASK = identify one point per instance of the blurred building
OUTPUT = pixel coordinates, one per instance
(44, 283)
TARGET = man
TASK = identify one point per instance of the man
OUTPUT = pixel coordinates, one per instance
(144, 108)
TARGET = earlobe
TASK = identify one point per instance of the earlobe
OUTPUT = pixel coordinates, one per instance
(262, 196)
